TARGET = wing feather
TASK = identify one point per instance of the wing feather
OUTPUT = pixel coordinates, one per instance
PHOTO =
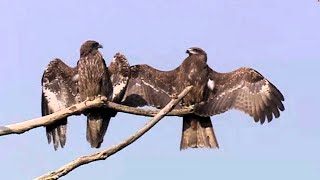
(255, 109)
(119, 70)
(150, 87)
(58, 92)
(262, 116)
(244, 89)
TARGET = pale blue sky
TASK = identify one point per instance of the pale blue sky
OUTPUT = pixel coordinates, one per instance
(280, 39)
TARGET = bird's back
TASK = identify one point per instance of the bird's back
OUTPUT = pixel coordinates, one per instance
(193, 72)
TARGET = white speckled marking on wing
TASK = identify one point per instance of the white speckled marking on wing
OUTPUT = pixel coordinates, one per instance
(154, 88)
(265, 88)
(114, 59)
(54, 103)
(210, 84)
(118, 89)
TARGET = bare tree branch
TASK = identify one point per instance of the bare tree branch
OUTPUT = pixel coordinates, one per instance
(104, 154)
(76, 109)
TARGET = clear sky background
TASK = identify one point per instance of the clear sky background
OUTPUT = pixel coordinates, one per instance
(280, 39)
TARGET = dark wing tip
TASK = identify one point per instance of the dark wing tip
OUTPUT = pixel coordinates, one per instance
(276, 91)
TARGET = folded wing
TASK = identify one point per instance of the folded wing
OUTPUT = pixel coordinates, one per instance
(244, 89)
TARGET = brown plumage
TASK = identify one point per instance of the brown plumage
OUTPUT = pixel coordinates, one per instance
(93, 81)
(244, 89)
(59, 90)
(119, 71)
(148, 86)
(63, 86)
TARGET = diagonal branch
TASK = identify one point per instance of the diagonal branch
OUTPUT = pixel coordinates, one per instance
(76, 109)
(104, 154)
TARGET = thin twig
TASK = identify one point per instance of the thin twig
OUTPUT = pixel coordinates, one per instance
(104, 154)
(76, 109)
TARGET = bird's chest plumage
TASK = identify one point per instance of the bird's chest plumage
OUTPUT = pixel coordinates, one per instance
(92, 74)
(194, 73)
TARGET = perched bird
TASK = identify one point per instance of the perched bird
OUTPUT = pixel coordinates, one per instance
(59, 91)
(213, 93)
(95, 79)
(63, 86)
(149, 86)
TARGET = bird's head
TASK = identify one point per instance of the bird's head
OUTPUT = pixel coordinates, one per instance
(88, 47)
(195, 51)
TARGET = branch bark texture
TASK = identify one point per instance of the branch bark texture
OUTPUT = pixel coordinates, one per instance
(104, 154)
(76, 109)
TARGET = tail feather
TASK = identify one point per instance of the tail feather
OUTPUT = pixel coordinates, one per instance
(107, 114)
(97, 125)
(62, 130)
(197, 132)
(57, 133)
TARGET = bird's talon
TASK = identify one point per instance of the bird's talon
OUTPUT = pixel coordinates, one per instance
(103, 98)
(86, 100)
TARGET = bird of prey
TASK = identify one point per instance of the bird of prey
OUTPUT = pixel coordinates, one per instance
(213, 93)
(59, 91)
(148, 86)
(93, 81)
(64, 86)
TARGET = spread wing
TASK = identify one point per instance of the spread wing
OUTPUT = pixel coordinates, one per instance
(150, 87)
(58, 92)
(244, 89)
(119, 71)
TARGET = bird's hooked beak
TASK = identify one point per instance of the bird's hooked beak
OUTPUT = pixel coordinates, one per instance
(100, 46)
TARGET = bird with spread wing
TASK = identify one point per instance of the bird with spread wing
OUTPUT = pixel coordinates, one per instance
(59, 91)
(63, 86)
(244, 89)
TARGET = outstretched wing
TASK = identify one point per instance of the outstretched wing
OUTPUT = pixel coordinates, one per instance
(58, 92)
(119, 71)
(150, 87)
(244, 89)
